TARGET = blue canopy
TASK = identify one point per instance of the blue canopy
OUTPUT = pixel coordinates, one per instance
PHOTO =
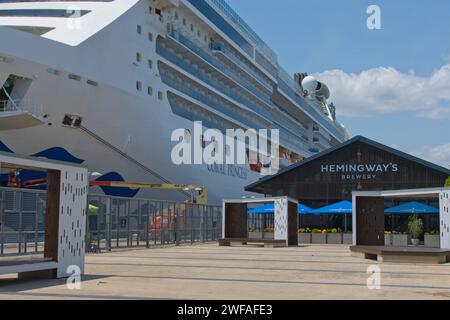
(270, 208)
(342, 207)
(413, 207)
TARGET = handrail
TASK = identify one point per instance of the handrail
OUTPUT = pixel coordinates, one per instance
(21, 105)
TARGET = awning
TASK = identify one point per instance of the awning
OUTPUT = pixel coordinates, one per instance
(342, 207)
(412, 208)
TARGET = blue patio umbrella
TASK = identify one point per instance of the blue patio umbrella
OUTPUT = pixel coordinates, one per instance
(270, 208)
(412, 208)
(302, 209)
(342, 207)
(267, 208)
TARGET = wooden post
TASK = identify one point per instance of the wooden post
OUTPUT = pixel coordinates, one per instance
(236, 220)
(52, 215)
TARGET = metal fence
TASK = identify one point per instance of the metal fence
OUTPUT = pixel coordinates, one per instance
(112, 222)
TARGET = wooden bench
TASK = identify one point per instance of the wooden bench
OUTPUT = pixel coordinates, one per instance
(402, 254)
(268, 243)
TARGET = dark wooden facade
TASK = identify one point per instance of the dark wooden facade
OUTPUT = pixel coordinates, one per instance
(358, 164)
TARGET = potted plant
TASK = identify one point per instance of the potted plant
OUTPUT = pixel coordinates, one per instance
(415, 229)
(269, 233)
(304, 235)
(432, 239)
(334, 236)
(319, 236)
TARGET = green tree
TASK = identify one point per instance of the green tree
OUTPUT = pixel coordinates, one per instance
(447, 182)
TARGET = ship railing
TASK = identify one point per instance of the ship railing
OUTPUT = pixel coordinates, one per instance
(218, 65)
(314, 111)
(26, 105)
(226, 52)
(164, 52)
(211, 102)
(287, 130)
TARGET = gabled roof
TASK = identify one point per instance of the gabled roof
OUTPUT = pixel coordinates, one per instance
(343, 145)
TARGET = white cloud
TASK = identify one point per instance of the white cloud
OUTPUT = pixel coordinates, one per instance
(438, 154)
(386, 90)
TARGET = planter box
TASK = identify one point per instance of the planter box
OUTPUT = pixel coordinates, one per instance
(400, 240)
(334, 238)
(255, 235)
(304, 238)
(268, 235)
(347, 238)
(432, 241)
(388, 240)
(319, 238)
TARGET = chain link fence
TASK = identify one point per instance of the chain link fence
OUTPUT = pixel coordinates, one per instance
(112, 222)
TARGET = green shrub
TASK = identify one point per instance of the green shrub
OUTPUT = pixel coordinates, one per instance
(447, 182)
(415, 227)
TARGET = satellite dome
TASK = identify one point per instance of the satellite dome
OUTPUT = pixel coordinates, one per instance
(314, 87)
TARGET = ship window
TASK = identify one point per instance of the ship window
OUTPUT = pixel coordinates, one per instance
(150, 36)
(54, 71)
(139, 29)
(184, 21)
(150, 64)
(192, 27)
(160, 95)
(92, 83)
(74, 77)
(138, 57)
(176, 15)
(199, 34)
(138, 86)
(158, 11)
(150, 90)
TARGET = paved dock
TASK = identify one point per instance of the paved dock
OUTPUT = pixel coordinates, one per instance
(208, 271)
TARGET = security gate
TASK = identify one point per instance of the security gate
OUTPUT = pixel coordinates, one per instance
(112, 222)
(21, 221)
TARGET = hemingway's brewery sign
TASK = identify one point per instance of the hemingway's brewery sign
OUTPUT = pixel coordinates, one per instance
(359, 171)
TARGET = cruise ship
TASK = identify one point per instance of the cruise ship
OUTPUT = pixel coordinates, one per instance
(104, 83)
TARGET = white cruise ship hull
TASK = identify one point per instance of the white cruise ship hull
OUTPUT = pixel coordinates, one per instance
(126, 127)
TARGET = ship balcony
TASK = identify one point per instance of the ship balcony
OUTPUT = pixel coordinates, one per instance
(321, 143)
(207, 79)
(252, 118)
(220, 49)
(19, 114)
(220, 68)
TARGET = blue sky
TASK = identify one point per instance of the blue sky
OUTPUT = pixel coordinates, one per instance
(392, 85)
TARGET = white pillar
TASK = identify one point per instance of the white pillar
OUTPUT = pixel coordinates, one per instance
(444, 218)
(281, 219)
